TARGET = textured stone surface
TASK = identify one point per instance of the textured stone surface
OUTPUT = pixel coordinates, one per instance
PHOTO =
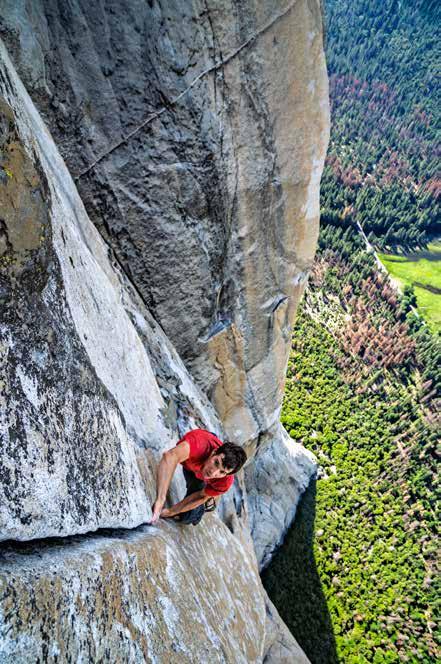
(280, 645)
(163, 595)
(280, 472)
(210, 213)
(91, 390)
(216, 199)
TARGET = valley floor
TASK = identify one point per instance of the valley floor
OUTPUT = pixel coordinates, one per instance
(422, 270)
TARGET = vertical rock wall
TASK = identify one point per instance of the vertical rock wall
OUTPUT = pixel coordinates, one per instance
(196, 133)
(84, 391)
(273, 486)
(91, 392)
(215, 200)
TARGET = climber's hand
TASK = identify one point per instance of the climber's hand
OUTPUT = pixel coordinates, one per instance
(157, 508)
(165, 513)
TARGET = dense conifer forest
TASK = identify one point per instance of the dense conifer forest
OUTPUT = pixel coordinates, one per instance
(383, 162)
(356, 578)
(362, 393)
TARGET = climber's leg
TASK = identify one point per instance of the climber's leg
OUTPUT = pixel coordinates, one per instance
(192, 516)
(193, 485)
(192, 482)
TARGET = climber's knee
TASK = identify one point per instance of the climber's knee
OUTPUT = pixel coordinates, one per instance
(192, 516)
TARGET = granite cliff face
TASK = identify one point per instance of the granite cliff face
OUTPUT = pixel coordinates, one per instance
(215, 200)
(180, 317)
(93, 391)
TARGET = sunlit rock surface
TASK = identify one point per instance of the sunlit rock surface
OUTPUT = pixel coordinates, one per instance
(91, 390)
(210, 217)
(216, 199)
(157, 594)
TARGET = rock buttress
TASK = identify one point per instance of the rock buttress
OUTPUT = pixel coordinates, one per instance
(91, 390)
(212, 206)
(216, 199)
(91, 393)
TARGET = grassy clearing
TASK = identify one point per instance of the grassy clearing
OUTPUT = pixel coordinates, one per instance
(421, 270)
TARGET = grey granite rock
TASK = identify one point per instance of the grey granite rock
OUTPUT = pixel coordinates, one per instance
(212, 207)
(275, 480)
(165, 595)
(196, 133)
(91, 390)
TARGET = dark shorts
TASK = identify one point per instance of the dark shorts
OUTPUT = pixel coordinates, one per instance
(193, 484)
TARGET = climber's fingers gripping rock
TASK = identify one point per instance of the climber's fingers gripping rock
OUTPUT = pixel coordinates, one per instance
(157, 508)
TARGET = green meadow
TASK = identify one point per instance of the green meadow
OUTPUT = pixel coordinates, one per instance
(422, 270)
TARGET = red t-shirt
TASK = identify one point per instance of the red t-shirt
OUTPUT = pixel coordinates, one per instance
(202, 443)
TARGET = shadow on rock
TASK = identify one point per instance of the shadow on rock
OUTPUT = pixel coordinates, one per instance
(293, 585)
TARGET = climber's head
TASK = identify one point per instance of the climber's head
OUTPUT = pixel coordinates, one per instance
(225, 460)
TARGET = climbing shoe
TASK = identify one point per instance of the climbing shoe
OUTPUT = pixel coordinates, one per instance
(210, 505)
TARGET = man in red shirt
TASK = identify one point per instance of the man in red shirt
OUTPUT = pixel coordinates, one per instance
(209, 467)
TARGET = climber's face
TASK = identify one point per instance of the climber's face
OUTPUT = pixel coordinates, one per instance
(213, 468)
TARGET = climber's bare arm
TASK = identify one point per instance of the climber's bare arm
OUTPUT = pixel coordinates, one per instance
(165, 471)
(188, 503)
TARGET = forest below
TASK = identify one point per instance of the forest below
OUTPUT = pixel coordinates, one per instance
(356, 578)
(382, 167)
(363, 391)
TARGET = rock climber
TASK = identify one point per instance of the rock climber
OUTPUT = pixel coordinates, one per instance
(209, 466)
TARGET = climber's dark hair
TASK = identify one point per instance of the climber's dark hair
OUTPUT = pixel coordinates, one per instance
(235, 456)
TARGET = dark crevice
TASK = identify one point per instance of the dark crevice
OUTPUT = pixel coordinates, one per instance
(4, 236)
(44, 544)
